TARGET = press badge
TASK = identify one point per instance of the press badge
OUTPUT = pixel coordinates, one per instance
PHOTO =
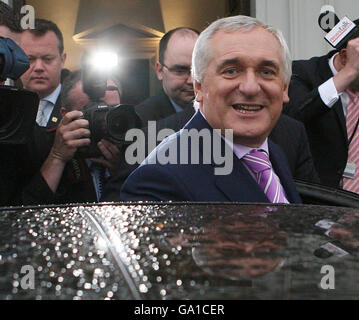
(349, 171)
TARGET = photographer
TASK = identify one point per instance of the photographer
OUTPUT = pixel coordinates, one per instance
(66, 176)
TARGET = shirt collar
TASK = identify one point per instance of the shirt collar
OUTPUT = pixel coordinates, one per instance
(331, 64)
(52, 97)
(240, 151)
(177, 107)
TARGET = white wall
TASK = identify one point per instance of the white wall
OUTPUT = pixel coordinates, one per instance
(298, 21)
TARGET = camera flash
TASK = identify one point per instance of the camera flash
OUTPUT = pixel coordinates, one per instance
(104, 60)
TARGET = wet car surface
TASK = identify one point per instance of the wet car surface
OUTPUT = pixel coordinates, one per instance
(179, 251)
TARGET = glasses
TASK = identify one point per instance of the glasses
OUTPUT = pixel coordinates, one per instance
(182, 72)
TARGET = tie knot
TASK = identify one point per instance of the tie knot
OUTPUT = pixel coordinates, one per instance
(257, 160)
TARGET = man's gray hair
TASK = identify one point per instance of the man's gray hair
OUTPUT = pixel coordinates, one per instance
(202, 49)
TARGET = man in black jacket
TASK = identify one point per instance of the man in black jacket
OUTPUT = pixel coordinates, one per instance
(45, 48)
(319, 98)
(66, 176)
(174, 70)
(11, 156)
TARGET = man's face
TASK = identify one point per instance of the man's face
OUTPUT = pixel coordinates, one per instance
(81, 99)
(243, 87)
(176, 80)
(247, 246)
(46, 62)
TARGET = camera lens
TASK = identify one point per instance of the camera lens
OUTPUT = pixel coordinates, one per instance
(121, 119)
(18, 110)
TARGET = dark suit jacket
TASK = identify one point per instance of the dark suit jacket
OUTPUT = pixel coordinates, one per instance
(19, 164)
(42, 138)
(76, 184)
(174, 121)
(288, 133)
(155, 108)
(14, 166)
(325, 126)
(191, 182)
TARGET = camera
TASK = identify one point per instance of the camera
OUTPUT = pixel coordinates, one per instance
(110, 123)
(105, 122)
(18, 110)
(18, 107)
(13, 61)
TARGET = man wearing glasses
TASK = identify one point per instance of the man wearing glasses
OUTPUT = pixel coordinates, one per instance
(174, 70)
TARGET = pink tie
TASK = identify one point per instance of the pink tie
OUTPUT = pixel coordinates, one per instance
(258, 162)
(353, 154)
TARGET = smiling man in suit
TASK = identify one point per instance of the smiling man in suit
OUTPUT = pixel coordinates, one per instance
(241, 70)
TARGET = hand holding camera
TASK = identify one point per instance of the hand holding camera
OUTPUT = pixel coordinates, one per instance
(71, 134)
(111, 156)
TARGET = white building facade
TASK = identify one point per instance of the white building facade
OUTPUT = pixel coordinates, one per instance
(298, 20)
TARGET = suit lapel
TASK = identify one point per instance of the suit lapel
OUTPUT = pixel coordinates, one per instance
(338, 108)
(166, 108)
(55, 117)
(239, 185)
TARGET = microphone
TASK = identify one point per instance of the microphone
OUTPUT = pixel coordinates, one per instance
(327, 18)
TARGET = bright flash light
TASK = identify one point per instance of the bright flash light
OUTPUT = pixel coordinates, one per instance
(104, 60)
